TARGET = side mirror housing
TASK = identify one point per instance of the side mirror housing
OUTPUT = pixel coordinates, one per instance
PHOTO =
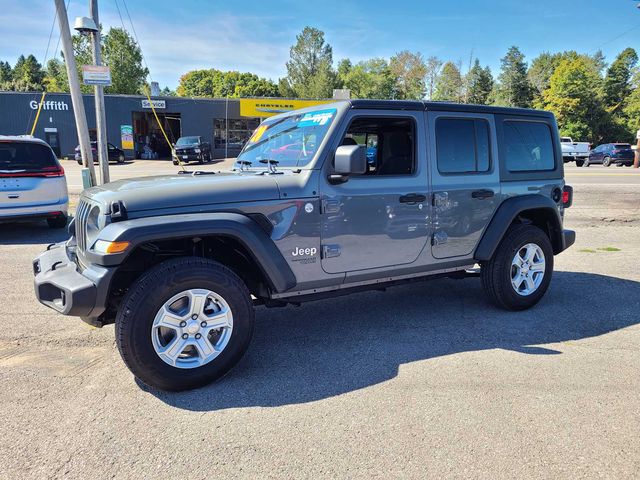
(351, 160)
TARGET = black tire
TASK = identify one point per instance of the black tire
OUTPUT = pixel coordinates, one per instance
(147, 295)
(121, 158)
(176, 162)
(579, 163)
(586, 162)
(496, 273)
(58, 222)
(606, 162)
(79, 162)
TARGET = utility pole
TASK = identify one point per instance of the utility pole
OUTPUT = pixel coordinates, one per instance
(101, 120)
(74, 87)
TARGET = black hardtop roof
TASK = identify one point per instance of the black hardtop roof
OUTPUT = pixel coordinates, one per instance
(417, 105)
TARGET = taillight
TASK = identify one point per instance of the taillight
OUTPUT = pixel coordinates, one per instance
(567, 196)
(53, 171)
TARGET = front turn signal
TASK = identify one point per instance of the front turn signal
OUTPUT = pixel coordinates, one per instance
(103, 246)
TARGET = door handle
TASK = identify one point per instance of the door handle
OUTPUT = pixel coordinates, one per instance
(482, 194)
(412, 198)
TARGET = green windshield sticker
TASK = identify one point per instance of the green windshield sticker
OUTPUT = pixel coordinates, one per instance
(317, 118)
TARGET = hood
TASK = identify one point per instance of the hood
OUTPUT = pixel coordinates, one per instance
(175, 191)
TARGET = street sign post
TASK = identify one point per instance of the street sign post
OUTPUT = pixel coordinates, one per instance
(96, 75)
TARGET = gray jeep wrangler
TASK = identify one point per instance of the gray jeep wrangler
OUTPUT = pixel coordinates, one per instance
(323, 201)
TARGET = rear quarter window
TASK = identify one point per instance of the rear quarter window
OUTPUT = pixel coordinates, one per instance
(528, 146)
(30, 157)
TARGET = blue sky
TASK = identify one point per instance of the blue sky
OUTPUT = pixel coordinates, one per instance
(255, 36)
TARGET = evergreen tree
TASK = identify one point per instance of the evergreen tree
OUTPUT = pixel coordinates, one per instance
(449, 84)
(27, 74)
(122, 54)
(310, 67)
(617, 82)
(513, 88)
(479, 84)
(5, 72)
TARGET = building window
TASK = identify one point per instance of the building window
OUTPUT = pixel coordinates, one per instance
(462, 145)
(236, 135)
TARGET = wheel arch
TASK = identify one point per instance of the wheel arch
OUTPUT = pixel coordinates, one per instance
(535, 209)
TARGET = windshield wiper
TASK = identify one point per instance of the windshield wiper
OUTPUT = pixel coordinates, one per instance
(271, 166)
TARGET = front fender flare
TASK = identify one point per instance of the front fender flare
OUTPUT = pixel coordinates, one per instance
(168, 227)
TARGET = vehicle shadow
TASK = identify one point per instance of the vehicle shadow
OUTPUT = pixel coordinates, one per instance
(30, 233)
(330, 347)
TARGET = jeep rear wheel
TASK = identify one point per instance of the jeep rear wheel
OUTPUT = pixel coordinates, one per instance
(518, 274)
(184, 323)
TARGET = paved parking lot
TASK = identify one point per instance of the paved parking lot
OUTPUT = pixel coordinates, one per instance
(423, 381)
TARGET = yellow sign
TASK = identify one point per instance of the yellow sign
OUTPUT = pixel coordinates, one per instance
(267, 107)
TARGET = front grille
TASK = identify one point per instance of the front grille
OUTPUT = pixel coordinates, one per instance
(82, 212)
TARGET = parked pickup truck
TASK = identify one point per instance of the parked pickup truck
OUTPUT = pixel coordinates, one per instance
(574, 151)
(178, 262)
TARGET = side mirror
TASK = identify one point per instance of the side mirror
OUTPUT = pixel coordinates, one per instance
(349, 160)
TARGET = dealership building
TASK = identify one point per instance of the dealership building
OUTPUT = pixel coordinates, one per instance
(132, 126)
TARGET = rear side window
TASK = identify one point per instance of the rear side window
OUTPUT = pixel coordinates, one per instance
(462, 145)
(528, 146)
(28, 157)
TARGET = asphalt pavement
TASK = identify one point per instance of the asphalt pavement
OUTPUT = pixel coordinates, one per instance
(421, 381)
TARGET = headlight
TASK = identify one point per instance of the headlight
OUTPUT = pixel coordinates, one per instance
(197, 150)
(104, 246)
(92, 225)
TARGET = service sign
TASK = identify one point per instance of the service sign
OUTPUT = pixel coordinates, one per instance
(94, 75)
(156, 104)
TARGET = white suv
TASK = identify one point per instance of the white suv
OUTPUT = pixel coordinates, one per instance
(32, 182)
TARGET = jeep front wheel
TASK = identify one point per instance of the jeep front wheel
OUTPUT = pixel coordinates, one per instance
(518, 274)
(184, 323)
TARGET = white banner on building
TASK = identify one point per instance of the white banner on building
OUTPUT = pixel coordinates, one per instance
(156, 104)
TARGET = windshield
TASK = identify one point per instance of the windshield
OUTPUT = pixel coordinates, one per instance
(188, 141)
(292, 141)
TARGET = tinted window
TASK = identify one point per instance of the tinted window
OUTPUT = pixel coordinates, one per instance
(528, 146)
(462, 145)
(31, 157)
(389, 143)
(622, 146)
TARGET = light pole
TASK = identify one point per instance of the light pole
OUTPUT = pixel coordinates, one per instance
(91, 28)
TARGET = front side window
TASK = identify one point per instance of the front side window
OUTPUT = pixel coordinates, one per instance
(462, 145)
(292, 141)
(528, 146)
(389, 142)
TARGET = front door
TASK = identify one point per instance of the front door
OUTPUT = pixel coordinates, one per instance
(54, 142)
(381, 218)
(465, 180)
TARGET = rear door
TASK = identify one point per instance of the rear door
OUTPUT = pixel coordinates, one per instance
(27, 172)
(465, 180)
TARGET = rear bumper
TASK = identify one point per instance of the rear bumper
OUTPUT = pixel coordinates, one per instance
(61, 285)
(34, 212)
(569, 238)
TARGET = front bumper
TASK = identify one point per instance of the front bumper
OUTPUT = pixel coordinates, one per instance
(188, 157)
(61, 285)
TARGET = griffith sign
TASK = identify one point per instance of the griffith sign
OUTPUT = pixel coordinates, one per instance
(94, 75)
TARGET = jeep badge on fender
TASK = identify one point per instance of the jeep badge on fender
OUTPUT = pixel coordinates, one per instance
(398, 199)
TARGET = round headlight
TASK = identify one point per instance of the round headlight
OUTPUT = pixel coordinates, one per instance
(92, 226)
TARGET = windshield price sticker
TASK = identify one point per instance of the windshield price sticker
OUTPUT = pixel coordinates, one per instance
(258, 133)
(312, 119)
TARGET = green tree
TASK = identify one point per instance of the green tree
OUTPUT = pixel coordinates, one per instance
(617, 82)
(5, 72)
(369, 79)
(479, 84)
(513, 87)
(27, 74)
(167, 92)
(55, 78)
(214, 83)
(310, 67)
(573, 97)
(433, 67)
(123, 56)
(449, 84)
(409, 71)
(632, 106)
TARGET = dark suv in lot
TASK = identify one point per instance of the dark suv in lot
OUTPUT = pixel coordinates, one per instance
(178, 262)
(115, 154)
(191, 149)
(611, 153)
